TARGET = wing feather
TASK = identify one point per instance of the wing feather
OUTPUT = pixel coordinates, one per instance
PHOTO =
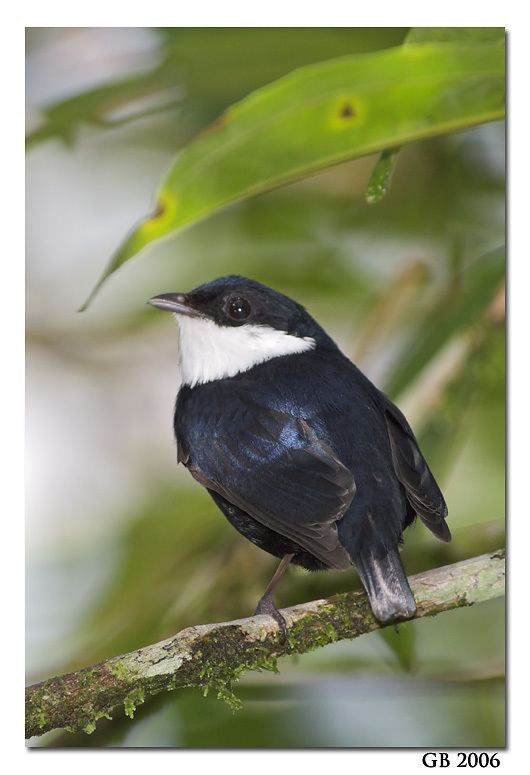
(411, 469)
(274, 467)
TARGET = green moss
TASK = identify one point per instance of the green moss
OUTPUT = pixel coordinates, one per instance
(228, 696)
(86, 677)
(91, 724)
(216, 665)
(121, 671)
(344, 616)
(266, 663)
(41, 707)
(133, 699)
(40, 718)
(224, 656)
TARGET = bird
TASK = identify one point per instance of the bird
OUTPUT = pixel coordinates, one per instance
(300, 451)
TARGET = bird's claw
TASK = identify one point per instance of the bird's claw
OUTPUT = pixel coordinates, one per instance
(266, 607)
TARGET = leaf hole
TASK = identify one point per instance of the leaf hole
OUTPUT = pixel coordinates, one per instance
(159, 211)
(347, 111)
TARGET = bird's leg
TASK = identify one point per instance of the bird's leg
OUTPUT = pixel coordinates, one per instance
(266, 603)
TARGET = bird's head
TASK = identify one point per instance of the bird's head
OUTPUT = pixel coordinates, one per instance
(231, 324)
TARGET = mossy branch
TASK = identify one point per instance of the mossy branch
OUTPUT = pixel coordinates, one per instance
(214, 655)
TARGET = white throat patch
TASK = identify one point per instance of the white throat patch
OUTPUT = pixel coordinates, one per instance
(208, 352)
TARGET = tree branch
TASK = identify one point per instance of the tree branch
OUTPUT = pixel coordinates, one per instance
(214, 655)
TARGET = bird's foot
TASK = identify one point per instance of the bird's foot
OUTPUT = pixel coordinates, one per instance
(266, 607)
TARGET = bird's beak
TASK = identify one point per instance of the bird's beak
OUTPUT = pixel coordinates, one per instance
(176, 303)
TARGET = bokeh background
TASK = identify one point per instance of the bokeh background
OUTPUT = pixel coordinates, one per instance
(123, 547)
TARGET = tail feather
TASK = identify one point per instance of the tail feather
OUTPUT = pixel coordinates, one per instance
(386, 585)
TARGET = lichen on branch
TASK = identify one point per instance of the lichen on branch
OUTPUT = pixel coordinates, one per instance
(213, 656)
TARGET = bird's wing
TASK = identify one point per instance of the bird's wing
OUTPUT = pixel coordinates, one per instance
(411, 469)
(274, 467)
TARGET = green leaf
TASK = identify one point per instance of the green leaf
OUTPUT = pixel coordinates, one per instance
(321, 115)
(201, 68)
(455, 34)
(382, 174)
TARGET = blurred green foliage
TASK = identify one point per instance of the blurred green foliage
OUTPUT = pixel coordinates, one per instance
(208, 71)
(412, 289)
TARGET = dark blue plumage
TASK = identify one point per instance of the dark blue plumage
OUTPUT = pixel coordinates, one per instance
(301, 452)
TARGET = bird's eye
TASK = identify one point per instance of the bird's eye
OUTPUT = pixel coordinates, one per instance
(238, 308)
